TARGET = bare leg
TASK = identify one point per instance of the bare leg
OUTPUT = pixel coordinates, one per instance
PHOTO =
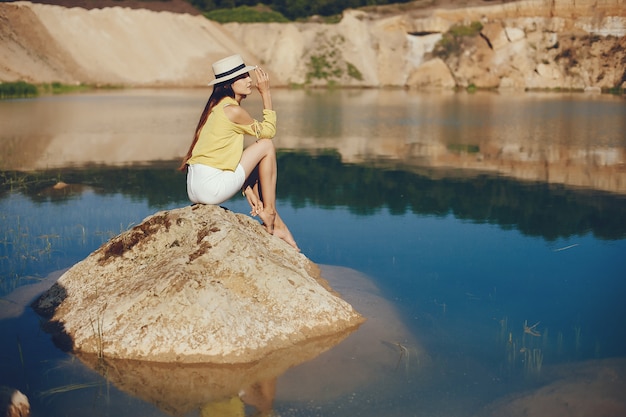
(261, 155)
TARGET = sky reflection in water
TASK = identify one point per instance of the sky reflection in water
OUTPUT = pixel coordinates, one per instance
(467, 258)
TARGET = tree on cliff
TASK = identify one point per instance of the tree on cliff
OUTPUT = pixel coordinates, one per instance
(293, 9)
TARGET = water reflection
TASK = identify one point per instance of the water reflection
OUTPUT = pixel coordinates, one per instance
(111, 127)
(563, 139)
(179, 389)
(570, 139)
(535, 209)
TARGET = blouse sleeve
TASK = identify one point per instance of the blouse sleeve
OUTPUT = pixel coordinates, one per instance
(262, 130)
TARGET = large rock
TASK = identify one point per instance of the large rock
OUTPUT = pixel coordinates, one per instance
(434, 73)
(190, 285)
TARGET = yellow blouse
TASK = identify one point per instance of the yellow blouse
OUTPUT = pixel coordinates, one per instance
(220, 143)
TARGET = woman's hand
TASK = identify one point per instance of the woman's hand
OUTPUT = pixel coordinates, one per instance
(263, 85)
(256, 205)
(262, 80)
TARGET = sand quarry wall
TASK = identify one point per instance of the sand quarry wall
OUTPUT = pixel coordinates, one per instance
(45, 43)
(526, 44)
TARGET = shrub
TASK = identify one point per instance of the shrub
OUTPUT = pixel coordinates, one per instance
(245, 14)
(472, 29)
(354, 72)
(450, 42)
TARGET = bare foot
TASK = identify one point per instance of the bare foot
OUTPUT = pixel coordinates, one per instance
(269, 218)
(275, 226)
(282, 231)
(256, 205)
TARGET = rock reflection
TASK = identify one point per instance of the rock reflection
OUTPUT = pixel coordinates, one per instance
(178, 389)
(320, 370)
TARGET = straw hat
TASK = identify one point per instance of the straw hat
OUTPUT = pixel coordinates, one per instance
(229, 68)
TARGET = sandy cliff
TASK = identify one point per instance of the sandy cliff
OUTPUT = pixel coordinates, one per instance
(122, 46)
(523, 44)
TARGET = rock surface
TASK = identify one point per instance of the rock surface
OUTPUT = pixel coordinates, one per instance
(526, 44)
(190, 285)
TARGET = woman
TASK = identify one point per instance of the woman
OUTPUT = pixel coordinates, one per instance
(217, 164)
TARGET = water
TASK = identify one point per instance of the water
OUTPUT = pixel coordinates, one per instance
(473, 215)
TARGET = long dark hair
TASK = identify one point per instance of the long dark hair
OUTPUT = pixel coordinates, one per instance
(220, 91)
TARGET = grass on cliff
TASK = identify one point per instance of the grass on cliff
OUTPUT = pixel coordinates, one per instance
(451, 41)
(246, 14)
(327, 64)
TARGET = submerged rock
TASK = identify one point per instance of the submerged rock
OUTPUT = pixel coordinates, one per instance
(589, 388)
(190, 285)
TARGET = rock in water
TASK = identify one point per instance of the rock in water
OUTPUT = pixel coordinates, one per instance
(190, 285)
(13, 403)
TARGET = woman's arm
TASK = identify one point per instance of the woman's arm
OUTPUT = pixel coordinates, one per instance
(238, 114)
(263, 85)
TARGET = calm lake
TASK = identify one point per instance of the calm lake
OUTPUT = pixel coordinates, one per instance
(485, 233)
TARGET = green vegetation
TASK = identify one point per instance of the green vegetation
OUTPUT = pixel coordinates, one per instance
(59, 88)
(291, 9)
(246, 14)
(473, 29)
(322, 67)
(451, 41)
(463, 148)
(353, 72)
(327, 63)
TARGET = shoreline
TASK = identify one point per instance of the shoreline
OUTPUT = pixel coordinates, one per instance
(86, 88)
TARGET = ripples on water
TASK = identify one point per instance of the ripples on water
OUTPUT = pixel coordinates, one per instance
(477, 217)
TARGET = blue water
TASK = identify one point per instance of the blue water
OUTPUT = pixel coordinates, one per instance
(455, 282)
(481, 272)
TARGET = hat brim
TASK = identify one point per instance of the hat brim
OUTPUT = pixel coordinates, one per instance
(233, 75)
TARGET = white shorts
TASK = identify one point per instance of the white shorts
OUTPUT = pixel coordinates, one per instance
(208, 185)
